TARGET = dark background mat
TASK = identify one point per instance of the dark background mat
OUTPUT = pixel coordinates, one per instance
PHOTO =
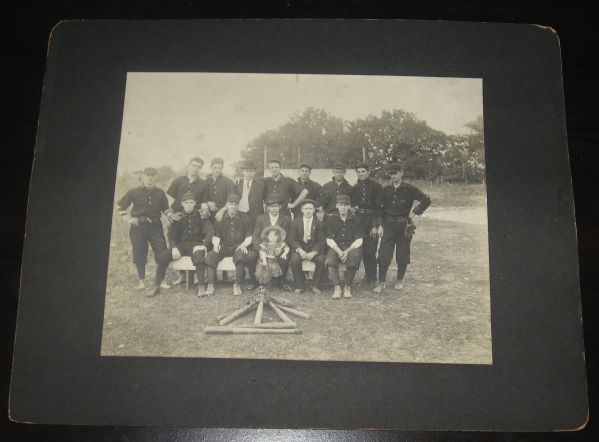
(26, 27)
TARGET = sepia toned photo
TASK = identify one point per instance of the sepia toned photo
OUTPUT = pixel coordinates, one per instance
(300, 217)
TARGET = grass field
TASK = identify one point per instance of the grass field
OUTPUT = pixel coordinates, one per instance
(442, 314)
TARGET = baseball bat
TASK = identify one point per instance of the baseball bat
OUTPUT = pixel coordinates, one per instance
(279, 312)
(236, 314)
(269, 325)
(294, 312)
(258, 318)
(248, 330)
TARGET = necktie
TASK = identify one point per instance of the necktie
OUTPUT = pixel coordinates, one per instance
(248, 186)
(307, 230)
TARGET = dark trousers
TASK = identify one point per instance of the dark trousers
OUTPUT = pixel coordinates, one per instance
(239, 258)
(252, 263)
(295, 262)
(141, 236)
(198, 258)
(352, 263)
(394, 240)
(368, 246)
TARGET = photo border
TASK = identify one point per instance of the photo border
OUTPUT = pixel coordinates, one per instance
(537, 380)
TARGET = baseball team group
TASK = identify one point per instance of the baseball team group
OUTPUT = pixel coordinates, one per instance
(268, 225)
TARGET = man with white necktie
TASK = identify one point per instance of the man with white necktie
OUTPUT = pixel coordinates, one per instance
(251, 192)
(306, 239)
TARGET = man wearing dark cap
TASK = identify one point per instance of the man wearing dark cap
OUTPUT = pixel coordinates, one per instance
(312, 187)
(306, 239)
(272, 217)
(344, 236)
(251, 192)
(191, 182)
(396, 201)
(147, 203)
(290, 190)
(331, 190)
(218, 187)
(364, 196)
(232, 237)
(190, 235)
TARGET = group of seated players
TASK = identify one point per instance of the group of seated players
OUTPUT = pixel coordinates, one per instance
(270, 224)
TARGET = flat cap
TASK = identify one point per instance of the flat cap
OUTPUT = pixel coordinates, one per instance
(217, 161)
(308, 201)
(274, 198)
(188, 196)
(339, 165)
(233, 198)
(274, 160)
(363, 165)
(306, 165)
(150, 171)
(344, 199)
(394, 167)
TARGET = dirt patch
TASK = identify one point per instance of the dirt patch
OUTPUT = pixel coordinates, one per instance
(442, 314)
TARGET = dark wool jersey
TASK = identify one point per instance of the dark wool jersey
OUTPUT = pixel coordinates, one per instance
(148, 202)
(398, 202)
(233, 230)
(191, 228)
(343, 232)
(181, 185)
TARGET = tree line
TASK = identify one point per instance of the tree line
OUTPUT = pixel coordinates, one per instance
(319, 138)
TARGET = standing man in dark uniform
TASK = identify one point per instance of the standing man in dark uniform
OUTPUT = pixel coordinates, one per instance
(251, 192)
(312, 187)
(344, 234)
(217, 189)
(331, 190)
(191, 236)
(365, 195)
(290, 190)
(272, 217)
(396, 202)
(147, 203)
(185, 184)
(232, 237)
(306, 239)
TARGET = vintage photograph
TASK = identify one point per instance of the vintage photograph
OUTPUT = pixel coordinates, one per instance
(301, 217)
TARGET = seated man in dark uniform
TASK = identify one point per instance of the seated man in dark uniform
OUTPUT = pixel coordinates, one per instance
(189, 236)
(307, 241)
(396, 201)
(344, 233)
(272, 217)
(147, 203)
(232, 237)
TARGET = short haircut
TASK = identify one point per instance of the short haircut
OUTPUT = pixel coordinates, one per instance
(197, 160)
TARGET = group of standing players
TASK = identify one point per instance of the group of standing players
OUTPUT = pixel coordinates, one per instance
(269, 225)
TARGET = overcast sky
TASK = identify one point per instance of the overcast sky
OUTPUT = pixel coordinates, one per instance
(170, 117)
